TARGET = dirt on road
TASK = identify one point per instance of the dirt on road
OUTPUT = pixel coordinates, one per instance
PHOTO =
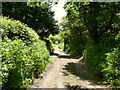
(66, 72)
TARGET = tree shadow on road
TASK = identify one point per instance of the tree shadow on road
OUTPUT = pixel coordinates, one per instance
(64, 56)
(75, 87)
(82, 71)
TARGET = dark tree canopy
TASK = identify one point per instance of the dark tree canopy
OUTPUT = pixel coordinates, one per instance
(100, 19)
(93, 32)
(36, 15)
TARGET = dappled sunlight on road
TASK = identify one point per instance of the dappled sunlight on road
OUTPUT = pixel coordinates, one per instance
(66, 72)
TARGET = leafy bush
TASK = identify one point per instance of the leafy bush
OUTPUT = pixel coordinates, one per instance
(16, 64)
(57, 39)
(49, 45)
(111, 67)
(16, 30)
(106, 67)
(24, 55)
(40, 56)
(75, 42)
(94, 55)
(36, 15)
(61, 46)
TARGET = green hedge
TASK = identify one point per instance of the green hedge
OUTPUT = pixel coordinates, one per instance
(49, 45)
(104, 60)
(16, 30)
(94, 56)
(24, 55)
(111, 67)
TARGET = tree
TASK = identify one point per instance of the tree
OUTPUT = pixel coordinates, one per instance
(100, 19)
(37, 15)
(95, 21)
(99, 25)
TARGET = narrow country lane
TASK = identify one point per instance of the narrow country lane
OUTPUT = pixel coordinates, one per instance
(66, 72)
(69, 45)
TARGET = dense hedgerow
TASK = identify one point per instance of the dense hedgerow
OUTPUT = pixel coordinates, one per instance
(104, 59)
(24, 55)
(94, 56)
(49, 45)
(111, 67)
(16, 30)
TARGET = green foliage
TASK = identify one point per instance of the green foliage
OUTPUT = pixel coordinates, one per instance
(16, 30)
(94, 56)
(77, 44)
(61, 39)
(40, 55)
(24, 55)
(49, 44)
(73, 35)
(37, 15)
(93, 17)
(94, 30)
(111, 67)
(56, 39)
(61, 46)
(16, 64)
(106, 67)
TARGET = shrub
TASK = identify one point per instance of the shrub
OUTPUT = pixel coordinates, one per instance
(111, 67)
(16, 64)
(61, 46)
(24, 55)
(74, 41)
(94, 55)
(104, 61)
(49, 45)
(14, 29)
(57, 39)
(40, 56)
